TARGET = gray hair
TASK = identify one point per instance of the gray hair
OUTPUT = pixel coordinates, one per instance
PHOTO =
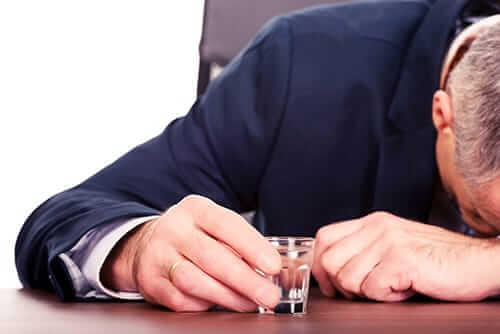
(474, 86)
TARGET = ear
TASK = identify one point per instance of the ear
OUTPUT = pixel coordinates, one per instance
(442, 112)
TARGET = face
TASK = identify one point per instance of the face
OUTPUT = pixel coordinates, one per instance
(479, 206)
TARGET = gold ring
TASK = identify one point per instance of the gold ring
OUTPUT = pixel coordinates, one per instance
(171, 270)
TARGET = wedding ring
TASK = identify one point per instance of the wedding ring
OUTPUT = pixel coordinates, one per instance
(171, 270)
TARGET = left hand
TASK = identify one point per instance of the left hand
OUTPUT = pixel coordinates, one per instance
(387, 258)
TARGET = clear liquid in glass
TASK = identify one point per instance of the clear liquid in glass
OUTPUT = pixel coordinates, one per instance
(293, 279)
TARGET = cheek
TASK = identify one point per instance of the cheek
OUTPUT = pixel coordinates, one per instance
(482, 228)
(489, 228)
(486, 232)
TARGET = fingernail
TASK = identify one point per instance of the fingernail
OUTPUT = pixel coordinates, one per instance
(270, 264)
(267, 297)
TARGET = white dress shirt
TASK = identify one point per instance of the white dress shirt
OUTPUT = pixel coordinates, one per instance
(85, 260)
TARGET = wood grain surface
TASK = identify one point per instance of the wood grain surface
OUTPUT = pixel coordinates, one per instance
(27, 311)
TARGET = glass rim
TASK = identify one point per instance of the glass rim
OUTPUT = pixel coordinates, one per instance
(288, 238)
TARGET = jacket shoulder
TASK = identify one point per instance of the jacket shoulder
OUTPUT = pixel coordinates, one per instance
(391, 21)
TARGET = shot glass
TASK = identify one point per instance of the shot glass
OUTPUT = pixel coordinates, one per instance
(293, 279)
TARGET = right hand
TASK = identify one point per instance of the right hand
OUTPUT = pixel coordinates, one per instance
(218, 251)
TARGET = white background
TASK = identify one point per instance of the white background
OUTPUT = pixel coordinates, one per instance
(82, 82)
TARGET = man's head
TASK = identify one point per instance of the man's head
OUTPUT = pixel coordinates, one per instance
(466, 114)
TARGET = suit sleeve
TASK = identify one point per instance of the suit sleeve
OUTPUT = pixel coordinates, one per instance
(220, 150)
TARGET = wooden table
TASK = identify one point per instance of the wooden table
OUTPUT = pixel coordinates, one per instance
(26, 311)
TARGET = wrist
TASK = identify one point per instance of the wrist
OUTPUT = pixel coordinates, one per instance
(117, 272)
(491, 276)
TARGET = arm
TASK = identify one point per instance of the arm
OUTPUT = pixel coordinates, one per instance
(205, 152)
(86, 259)
(388, 258)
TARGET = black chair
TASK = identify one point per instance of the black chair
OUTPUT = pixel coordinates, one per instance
(228, 25)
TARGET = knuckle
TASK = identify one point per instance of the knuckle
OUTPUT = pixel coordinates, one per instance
(380, 220)
(191, 199)
(380, 216)
(320, 236)
(174, 218)
(391, 236)
(194, 202)
(347, 283)
(213, 224)
(206, 257)
(171, 212)
(203, 256)
(328, 263)
(197, 207)
(177, 226)
(177, 212)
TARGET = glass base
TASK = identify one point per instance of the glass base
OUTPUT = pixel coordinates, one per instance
(286, 308)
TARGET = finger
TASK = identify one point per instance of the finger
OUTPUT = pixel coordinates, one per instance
(160, 291)
(352, 275)
(155, 289)
(342, 251)
(223, 265)
(338, 245)
(332, 233)
(388, 283)
(339, 288)
(323, 280)
(230, 228)
(324, 238)
(191, 280)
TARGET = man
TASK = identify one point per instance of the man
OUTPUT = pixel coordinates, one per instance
(334, 114)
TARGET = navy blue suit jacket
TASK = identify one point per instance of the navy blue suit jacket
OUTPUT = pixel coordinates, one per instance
(325, 116)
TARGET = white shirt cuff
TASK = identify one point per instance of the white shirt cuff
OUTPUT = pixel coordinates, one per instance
(85, 260)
